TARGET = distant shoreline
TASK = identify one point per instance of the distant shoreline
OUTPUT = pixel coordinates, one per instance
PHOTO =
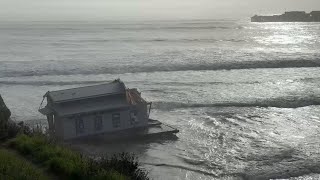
(291, 16)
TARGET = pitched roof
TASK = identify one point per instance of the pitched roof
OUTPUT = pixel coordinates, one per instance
(115, 87)
(89, 106)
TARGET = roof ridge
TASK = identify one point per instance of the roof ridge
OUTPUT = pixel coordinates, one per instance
(114, 87)
(88, 86)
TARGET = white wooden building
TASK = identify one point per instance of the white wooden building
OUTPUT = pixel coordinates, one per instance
(97, 109)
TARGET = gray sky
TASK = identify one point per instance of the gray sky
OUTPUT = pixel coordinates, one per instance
(146, 9)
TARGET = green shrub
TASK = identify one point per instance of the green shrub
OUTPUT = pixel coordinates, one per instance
(62, 161)
(13, 129)
(27, 145)
(69, 169)
(108, 175)
(11, 167)
(124, 163)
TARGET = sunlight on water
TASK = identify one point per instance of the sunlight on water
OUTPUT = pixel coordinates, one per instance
(295, 36)
(245, 96)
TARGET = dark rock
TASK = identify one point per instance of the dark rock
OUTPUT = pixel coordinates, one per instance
(4, 117)
(4, 111)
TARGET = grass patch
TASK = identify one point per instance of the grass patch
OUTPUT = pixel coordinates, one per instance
(12, 167)
(68, 164)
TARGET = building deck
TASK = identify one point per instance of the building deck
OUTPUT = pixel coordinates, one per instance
(154, 129)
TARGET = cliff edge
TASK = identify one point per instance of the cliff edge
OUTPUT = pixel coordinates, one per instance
(4, 117)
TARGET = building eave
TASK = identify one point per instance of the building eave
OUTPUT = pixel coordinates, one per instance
(46, 110)
(94, 111)
(87, 97)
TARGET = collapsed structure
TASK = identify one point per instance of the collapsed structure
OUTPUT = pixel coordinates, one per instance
(97, 109)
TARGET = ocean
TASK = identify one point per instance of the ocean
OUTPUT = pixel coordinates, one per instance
(245, 96)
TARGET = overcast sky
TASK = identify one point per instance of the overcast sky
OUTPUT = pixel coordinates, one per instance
(146, 9)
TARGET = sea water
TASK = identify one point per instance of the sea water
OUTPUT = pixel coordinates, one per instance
(245, 96)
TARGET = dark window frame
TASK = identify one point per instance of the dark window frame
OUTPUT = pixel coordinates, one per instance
(116, 121)
(98, 122)
(133, 120)
(79, 125)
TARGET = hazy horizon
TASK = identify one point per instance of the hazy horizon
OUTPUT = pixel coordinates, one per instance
(68, 10)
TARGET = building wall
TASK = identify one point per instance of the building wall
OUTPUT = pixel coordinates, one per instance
(69, 131)
(58, 127)
(143, 114)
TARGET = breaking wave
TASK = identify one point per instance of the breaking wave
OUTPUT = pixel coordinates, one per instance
(42, 70)
(195, 40)
(62, 83)
(185, 40)
(48, 83)
(207, 173)
(277, 102)
(184, 168)
(144, 27)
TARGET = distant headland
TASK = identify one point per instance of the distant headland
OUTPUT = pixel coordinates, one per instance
(291, 16)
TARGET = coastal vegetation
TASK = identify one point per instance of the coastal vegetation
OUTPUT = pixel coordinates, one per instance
(35, 155)
(13, 167)
(69, 164)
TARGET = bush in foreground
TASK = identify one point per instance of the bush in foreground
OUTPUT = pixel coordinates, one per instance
(125, 163)
(12, 167)
(72, 165)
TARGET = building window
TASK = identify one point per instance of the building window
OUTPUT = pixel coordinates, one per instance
(116, 120)
(133, 117)
(98, 122)
(79, 125)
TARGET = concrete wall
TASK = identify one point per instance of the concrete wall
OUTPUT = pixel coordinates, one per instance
(68, 124)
